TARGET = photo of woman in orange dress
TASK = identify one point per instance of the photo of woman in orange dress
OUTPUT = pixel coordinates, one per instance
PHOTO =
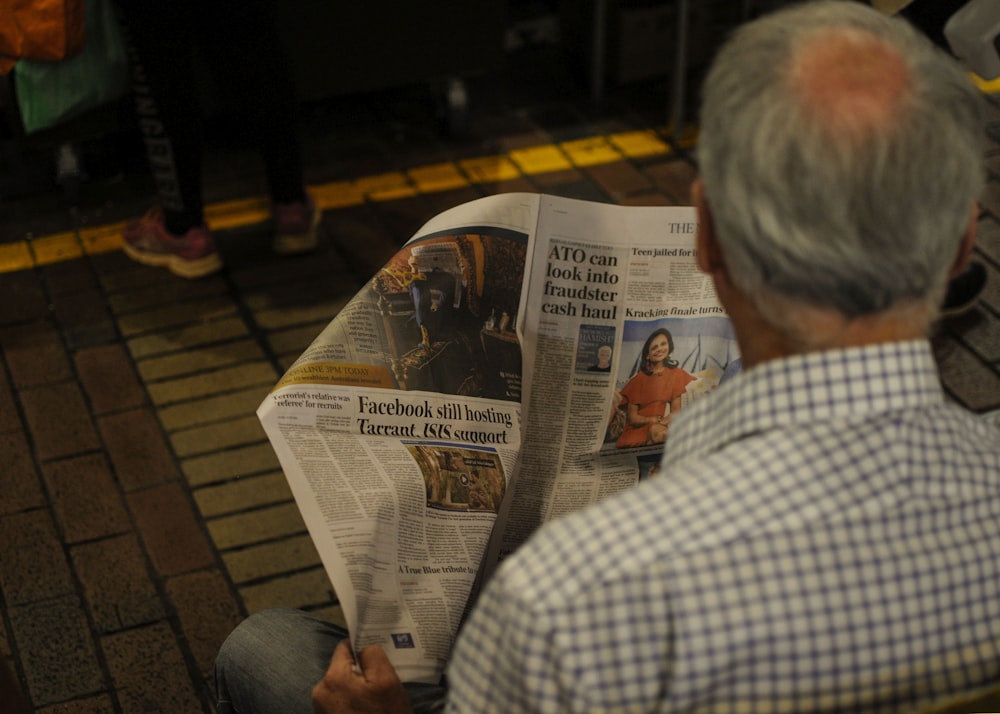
(653, 395)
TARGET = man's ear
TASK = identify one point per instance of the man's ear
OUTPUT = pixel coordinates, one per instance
(968, 242)
(709, 256)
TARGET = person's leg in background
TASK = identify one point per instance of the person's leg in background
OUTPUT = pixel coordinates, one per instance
(240, 38)
(242, 47)
(168, 109)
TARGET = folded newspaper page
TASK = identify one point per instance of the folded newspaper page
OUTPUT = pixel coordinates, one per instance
(519, 358)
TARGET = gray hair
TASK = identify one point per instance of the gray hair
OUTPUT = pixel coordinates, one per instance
(860, 225)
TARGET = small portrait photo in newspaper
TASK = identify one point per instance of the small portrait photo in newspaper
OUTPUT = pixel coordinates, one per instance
(595, 348)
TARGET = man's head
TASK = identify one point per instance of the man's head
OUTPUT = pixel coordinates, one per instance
(840, 160)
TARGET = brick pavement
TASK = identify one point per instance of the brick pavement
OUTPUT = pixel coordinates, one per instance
(144, 514)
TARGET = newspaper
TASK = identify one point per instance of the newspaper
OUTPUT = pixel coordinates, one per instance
(489, 378)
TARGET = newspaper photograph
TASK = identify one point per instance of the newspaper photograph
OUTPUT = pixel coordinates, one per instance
(519, 358)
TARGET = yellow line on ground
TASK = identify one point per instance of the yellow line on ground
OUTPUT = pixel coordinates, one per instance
(437, 177)
(986, 86)
(102, 239)
(56, 247)
(591, 151)
(532, 160)
(490, 169)
(638, 144)
(15, 256)
(542, 159)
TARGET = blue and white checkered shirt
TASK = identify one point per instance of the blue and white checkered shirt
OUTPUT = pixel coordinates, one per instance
(824, 535)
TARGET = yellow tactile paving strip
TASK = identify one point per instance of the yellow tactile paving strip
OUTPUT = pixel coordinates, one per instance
(543, 158)
(533, 160)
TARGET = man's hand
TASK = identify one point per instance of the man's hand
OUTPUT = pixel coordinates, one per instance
(375, 688)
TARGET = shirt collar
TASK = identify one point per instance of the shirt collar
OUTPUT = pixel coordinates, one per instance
(831, 385)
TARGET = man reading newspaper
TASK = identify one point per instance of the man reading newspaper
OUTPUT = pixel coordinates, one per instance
(823, 533)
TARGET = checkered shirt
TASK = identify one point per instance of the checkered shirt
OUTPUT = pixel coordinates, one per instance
(824, 535)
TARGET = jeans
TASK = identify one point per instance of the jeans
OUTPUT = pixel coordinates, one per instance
(272, 660)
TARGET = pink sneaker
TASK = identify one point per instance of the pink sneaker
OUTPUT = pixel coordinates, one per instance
(296, 226)
(192, 255)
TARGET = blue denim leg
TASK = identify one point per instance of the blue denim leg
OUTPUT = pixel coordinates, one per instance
(274, 658)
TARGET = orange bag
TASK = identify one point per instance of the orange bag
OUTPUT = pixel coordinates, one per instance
(49, 30)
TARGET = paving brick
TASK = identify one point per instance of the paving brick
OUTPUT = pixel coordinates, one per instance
(9, 416)
(35, 354)
(968, 379)
(32, 562)
(365, 245)
(85, 498)
(84, 319)
(116, 583)
(199, 359)
(216, 382)
(21, 298)
(303, 590)
(326, 263)
(4, 642)
(242, 493)
(175, 315)
(138, 451)
(108, 378)
(100, 704)
(979, 329)
(248, 245)
(674, 177)
(12, 688)
(168, 293)
(58, 420)
(619, 179)
(118, 273)
(212, 409)
(109, 266)
(270, 559)
(991, 293)
(20, 486)
(285, 362)
(256, 526)
(149, 672)
(170, 530)
(217, 437)
(304, 292)
(520, 184)
(442, 200)
(293, 341)
(187, 337)
(208, 612)
(241, 461)
(56, 650)
(549, 181)
(69, 276)
(321, 312)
